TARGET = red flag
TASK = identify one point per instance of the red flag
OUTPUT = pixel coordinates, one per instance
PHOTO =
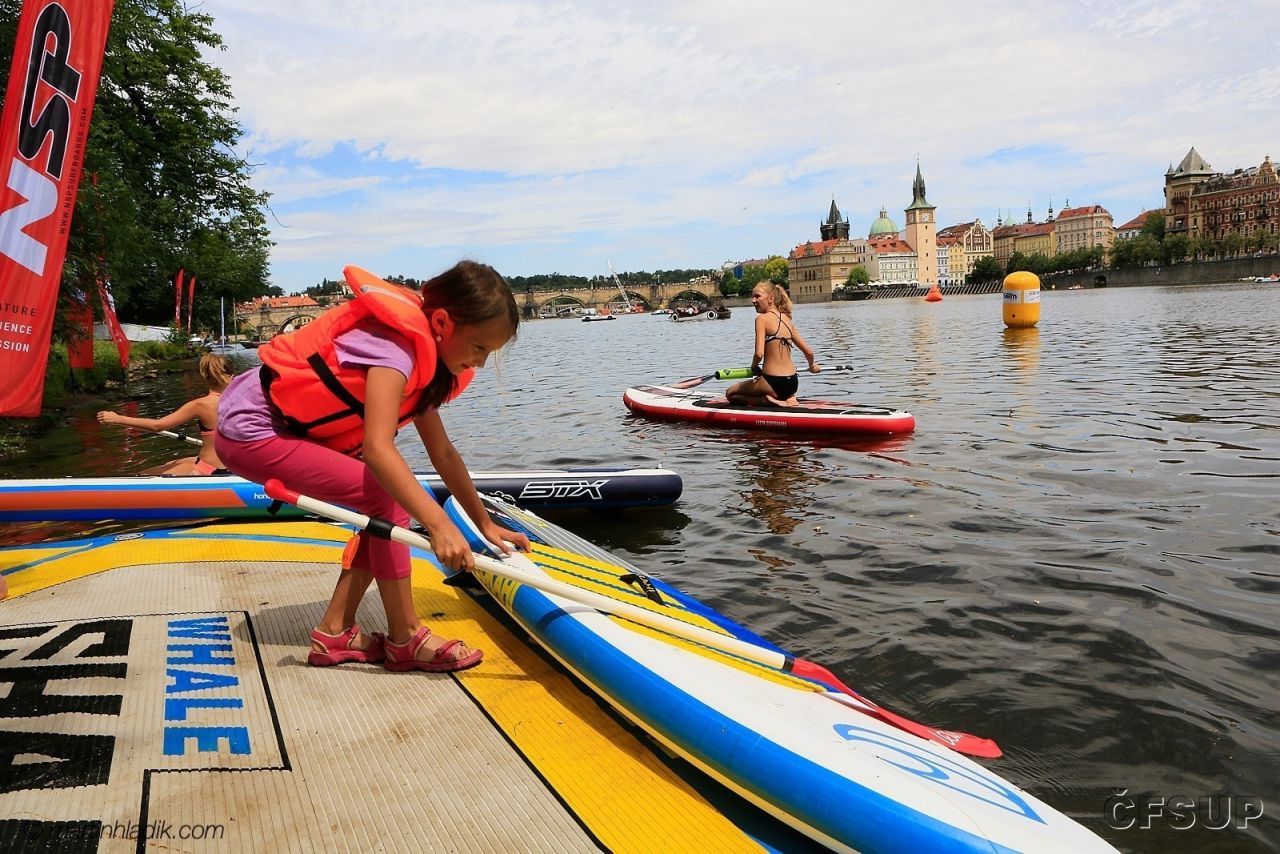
(113, 323)
(57, 56)
(80, 335)
(177, 298)
(191, 298)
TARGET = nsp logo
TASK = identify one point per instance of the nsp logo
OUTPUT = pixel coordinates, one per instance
(563, 489)
(53, 102)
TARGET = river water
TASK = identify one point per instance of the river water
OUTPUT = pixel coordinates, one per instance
(1075, 553)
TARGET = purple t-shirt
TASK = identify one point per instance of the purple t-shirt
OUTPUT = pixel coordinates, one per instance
(243, 413)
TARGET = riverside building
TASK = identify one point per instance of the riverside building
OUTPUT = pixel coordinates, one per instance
(1200, 202)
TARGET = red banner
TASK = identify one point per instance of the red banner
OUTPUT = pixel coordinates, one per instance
(113, 323)
(80, 331)
(177, 297)
(191, 298)
(52, 83)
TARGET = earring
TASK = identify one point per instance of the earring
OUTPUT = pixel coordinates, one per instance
(437, 337)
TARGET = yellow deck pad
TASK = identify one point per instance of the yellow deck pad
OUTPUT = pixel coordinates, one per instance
(605, 578)
(136, 672)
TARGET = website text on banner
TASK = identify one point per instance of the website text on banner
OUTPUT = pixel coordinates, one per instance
(48, 105)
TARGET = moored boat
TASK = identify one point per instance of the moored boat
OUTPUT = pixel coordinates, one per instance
(699, 314)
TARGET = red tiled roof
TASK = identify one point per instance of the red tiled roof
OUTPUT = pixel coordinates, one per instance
(948, 239)
(1088, 210)
(956, 230)
(1016, 230)
(822, 247)
(889, 246)
(1138, 221)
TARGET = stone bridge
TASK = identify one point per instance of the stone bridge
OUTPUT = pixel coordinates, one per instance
(283, 314)
(273, 316)
(653, 296)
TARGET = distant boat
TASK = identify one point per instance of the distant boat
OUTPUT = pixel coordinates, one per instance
(222, 348)
(659, 312)
(704, 314)
(590, 317)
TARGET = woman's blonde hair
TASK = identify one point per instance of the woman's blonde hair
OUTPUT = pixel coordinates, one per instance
(216, 371)
(781, 299)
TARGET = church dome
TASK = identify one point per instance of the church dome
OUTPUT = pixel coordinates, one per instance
(883, 227)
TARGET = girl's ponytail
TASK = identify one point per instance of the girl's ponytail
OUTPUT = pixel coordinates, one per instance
(215, 370)
(781, 299)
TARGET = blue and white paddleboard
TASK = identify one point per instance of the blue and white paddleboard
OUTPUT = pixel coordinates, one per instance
(790, 745)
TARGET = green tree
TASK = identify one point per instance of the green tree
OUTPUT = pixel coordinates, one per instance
(1154, 226)
(1146, 249)
(1232, 243)
(776, 269)
(1257, 241)
(1122, 254)
(1033, 263)
(1201, 246)
(858, 276)
(986, 269)
(171, 192)
(331, 288)
(1175, 248)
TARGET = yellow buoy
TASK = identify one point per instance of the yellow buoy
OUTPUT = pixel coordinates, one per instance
(1021, 300)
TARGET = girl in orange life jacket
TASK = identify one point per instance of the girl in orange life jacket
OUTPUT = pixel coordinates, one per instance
(216, 372)
(321, 416)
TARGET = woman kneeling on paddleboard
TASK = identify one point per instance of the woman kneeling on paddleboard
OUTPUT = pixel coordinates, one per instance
(776, 380)
(216, 371)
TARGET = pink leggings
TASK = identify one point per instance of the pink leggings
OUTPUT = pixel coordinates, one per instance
(323, 473)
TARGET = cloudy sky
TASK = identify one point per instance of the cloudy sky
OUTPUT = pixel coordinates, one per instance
(401, 135)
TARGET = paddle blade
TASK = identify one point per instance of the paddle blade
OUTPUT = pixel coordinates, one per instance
(961, 742)
(693, 381)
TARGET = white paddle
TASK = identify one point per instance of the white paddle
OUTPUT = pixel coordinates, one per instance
(958, 741)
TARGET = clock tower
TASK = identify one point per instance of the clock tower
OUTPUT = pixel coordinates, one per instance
(922, 233)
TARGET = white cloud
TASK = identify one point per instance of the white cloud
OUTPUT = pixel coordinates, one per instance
(590, 124)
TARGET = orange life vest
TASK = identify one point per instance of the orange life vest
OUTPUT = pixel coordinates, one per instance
(324, 401)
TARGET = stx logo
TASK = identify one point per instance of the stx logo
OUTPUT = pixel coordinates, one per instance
(47, 63)
(561, 489)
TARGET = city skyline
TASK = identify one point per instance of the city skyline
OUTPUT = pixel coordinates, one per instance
(557, 139)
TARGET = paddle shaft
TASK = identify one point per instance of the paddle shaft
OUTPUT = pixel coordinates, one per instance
(958, 741)
(181, 437)
(740, 374)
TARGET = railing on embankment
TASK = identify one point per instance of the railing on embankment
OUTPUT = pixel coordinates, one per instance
(1185, 273)
(890, 291)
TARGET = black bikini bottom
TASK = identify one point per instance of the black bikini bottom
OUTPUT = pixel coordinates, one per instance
(783, 387)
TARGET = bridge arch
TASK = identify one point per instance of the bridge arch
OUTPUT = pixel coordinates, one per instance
(654, 296)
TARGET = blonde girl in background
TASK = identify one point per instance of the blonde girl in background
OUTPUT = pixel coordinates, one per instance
(216, 372)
